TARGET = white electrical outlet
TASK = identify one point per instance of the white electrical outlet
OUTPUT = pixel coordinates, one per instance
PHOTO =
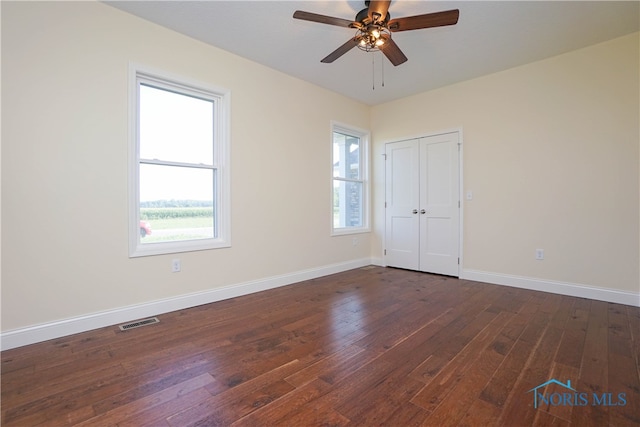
(355, 241)
(175, 265)
(469, 195)
(539, 254)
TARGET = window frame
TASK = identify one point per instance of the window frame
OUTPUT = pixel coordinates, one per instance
(364, 136)
(139, 74)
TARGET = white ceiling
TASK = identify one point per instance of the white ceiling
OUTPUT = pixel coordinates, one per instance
(489, 37)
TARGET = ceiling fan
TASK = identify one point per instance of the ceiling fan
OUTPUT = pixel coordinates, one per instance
(374, 27)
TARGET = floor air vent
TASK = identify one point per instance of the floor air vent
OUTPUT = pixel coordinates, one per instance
(139, 323)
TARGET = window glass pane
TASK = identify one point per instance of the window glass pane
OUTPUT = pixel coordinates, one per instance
(346, 156)
(175, 127)
(347, 204)
(176, 203)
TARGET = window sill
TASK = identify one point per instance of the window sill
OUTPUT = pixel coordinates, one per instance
(347, 231)
(163, 248)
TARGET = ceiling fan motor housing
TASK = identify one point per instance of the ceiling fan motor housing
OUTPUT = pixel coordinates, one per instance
(363, 17)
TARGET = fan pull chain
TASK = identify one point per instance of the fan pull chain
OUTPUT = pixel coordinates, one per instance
(382, 67)
(373, 72)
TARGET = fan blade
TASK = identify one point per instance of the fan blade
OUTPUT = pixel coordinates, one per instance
(393, 52)
(429, 20)
(380, 8)
(323, 19)
(340, 51)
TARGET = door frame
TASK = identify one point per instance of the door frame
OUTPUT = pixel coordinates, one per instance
(460, 190)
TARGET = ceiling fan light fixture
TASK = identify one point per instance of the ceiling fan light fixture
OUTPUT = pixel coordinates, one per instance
(372, 37)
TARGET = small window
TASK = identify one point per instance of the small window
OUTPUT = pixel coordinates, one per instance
(350, 187)
(180, 167)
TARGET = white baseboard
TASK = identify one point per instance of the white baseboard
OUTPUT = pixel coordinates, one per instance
(378, 261)
(61, 328)
(571, 289)
(38, 333)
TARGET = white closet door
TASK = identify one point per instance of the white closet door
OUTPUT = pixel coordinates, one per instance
(439, 204)
(422, 214)
(402, 201)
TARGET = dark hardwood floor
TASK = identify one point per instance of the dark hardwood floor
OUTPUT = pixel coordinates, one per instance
(372, 346)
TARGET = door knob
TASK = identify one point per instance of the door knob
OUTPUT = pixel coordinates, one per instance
(415, 211)
(422, 211)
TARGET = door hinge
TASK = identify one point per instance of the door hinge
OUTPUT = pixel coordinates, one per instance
(385, 251)
(385, 156)
(458, 204)
(385, 204)
(458, 261)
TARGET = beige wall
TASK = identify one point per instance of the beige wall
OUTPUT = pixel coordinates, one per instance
(551, 153)
(64, 165)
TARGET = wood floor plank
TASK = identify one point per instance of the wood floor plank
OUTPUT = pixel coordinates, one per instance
(500, 385)
(454, 390)
(366, 347)
(42, 375)
(156, 416)
(133, 408)
(447, 344)
(369, 410)
(406, 414)
(501, 389)
(312, 415)
(287, 405)
(138, 386)
(480, 413)
(70, 418)
(621, 361)
(313, 371)
(544, 419)
(396, 387)
(537, 370)
(454, 331)
(225, 407)
(563, 373)
(76, 391)
(594, 369)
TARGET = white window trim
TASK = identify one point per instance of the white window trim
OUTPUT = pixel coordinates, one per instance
(364, 160)
(221, 163)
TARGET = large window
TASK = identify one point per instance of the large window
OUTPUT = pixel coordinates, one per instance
(180, 166)
(350, 187)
